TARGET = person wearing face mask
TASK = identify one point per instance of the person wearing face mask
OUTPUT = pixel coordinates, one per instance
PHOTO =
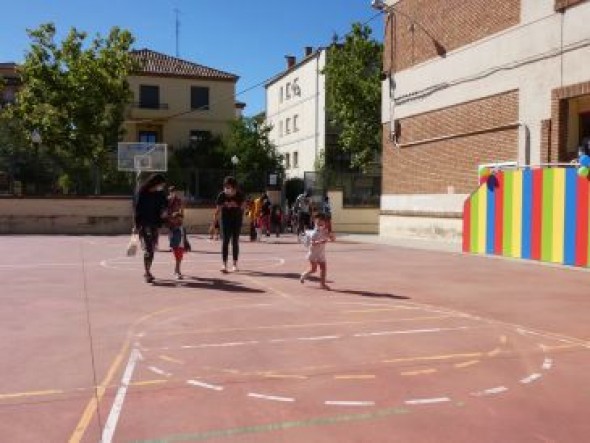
(229, 212)
(149, 215)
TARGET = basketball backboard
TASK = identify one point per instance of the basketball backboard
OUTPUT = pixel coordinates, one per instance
(142, 157)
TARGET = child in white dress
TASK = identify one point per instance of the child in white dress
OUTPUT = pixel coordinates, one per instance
(316, 254)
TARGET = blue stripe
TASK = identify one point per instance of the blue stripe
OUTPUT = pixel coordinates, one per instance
(571, 197)
(527, 213)
(491, 215)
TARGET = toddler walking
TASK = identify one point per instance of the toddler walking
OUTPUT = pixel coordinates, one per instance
(177, 236)
(316, 241)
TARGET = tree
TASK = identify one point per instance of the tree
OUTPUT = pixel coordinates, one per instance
(248, 140)
(75, 93)
(353, 89)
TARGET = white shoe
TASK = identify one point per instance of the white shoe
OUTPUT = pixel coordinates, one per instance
(302, 278)
(224, 269)
(235, 268)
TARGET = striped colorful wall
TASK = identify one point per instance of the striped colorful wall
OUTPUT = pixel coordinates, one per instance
(535, 214)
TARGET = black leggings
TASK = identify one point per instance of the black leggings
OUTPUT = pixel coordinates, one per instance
(149, 240)
(230, 230)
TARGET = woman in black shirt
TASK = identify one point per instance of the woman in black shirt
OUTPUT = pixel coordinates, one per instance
(230, 204)
(150, 212)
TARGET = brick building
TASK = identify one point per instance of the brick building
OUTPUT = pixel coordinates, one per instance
(472, 82)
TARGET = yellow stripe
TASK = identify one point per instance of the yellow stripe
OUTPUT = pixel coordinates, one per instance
(170, 359)
(433, 357)
(354, 377)
(517, 214)
(420, 372)
(148, 382)
(482, 219)
(30, 394)
(494, 352)
(558, 214)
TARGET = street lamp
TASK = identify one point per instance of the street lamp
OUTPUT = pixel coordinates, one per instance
(36, 139)
(234, 161)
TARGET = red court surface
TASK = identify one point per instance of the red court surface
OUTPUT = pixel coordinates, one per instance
(409, 346)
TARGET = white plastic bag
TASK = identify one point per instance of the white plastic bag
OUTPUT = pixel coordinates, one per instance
(133, 245)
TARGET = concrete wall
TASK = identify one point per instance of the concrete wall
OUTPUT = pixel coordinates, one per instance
(81, 216)
(352, 220)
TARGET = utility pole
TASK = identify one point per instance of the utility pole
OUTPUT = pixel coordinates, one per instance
(177, 27)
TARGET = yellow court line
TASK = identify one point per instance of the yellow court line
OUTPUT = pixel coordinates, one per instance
(433, 357)
(466, 363)
(354, 377)
(362, 311)
(558, 347)
(31, 394)
(419, 372)
(170, 359)
(148, 382)
(494, 352)
(92, 404)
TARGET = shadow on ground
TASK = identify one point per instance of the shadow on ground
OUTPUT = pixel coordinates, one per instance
(216, 284)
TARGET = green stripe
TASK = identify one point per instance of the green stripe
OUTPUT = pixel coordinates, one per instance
(257, 429)
(474, 221)
(508, 213)
(547, 220)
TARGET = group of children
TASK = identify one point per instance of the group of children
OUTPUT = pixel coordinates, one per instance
(315, 240)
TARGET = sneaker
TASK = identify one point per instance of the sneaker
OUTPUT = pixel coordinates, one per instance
(178, 276)
(325, 287)
(149, 278)
(302, 278)
(224, 269)
(235, 268)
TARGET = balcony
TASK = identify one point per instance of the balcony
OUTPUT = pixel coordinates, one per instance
(141, 111)
(154, 106)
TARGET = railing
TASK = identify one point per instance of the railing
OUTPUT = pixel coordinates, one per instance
(140, 105)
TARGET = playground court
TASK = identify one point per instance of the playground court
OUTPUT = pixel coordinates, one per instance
(409, 346)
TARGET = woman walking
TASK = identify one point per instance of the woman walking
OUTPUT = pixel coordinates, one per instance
(150, 213)
(230, 204)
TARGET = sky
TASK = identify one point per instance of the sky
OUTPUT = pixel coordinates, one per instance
(246, 37)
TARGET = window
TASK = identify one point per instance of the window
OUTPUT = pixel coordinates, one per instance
(197, 136)
(288, 91)
(281, 128)
(148, 137)
(288, 161)
(295, 119)
(281, 95)
(149, 96)
(296, 88)
(200, 98)
(288, 126)
(295, 159)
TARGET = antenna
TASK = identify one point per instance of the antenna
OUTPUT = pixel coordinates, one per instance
(177, 26)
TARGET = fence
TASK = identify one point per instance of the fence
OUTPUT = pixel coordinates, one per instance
(359, 189)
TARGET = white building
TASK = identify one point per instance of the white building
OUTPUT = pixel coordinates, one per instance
(296, 110)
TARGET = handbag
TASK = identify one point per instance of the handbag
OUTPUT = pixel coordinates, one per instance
(133, 244)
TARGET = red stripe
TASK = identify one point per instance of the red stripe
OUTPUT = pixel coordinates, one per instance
(499, 198)
(537, 214)
(582, 223)
(467, 225)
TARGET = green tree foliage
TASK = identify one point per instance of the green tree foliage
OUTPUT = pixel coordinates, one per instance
(248, 139)
(75, 93)
(354, 94)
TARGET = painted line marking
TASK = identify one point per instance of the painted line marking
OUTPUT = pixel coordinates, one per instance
(148, 382)
(466, 363)
(319, 338)
(270, 397)
(409, 331)
(201, 384)
(419, 372)
(503, 339)
(531, 378)
(171, 360)
(220, 345)
(494, 352)
(349, 403)
(109, 428)
(355, 377)
(491, 391)
(31, 394)
(159, 371)
(433, 357)
(547, 363)
(365, 311)
(286, 376)
(427, 401)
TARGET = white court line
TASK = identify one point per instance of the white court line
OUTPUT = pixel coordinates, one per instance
(270, 397)
(125, 265)
(531, 378)
(221, 345)
(201, 384)
(159, 371)
(409, 331)
(349, 403)
(36, 265)
(547, 363)
(427, 401)
(491, 391)
(319, 338)
(109, 428)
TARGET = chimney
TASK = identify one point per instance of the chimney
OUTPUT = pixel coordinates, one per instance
(308, 51)
(291, 60)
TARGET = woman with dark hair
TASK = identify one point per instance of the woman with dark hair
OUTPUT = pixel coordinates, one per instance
(230, 204)
(150, 212)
